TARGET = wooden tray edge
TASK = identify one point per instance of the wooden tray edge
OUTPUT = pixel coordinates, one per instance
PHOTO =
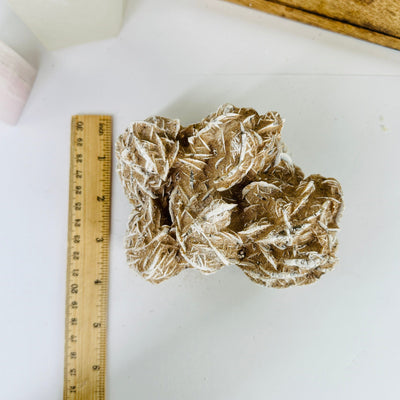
(322, 22)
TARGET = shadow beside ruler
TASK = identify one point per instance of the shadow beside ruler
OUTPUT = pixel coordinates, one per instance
(88, 257)
(376, 21)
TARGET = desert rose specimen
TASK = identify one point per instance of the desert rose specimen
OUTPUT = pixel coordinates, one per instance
(223, 192)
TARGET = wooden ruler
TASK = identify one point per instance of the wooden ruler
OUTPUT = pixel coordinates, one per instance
(88, 257)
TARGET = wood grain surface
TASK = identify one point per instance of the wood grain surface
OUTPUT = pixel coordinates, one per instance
(376, 21)
(88, 258)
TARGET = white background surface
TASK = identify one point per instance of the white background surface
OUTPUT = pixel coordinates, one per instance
(217, 337)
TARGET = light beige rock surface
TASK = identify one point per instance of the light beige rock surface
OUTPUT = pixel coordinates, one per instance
(224, 193)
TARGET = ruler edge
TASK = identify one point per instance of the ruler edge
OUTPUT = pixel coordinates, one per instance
(321, 21)
(104, 328)
(68, 278)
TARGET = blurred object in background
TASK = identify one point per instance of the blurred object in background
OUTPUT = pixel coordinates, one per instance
(15, 34)
(16, 81)
(371, 20)
(61, 23)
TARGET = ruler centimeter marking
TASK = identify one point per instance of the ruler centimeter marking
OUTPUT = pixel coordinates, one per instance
(88, 257)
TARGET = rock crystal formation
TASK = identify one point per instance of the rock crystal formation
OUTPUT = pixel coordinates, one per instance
(223, 192)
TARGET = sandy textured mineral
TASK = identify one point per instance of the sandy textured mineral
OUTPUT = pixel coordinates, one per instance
(223, 192)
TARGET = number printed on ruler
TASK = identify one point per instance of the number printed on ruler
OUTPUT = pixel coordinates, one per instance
(88, 257)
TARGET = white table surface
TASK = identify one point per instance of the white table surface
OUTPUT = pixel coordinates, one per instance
(217, 337)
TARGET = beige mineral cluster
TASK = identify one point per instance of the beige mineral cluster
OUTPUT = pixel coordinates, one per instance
(223, 192)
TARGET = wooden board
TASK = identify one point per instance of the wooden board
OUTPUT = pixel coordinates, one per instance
(88, 257)
(376, 21)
